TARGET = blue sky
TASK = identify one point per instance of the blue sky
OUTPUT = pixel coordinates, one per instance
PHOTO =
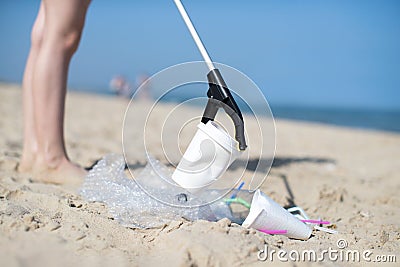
(313, 53)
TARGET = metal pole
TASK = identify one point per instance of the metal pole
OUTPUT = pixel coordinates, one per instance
(195, 35)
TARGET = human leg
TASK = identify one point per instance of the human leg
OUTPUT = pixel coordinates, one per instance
(64, 21)
(30, 145)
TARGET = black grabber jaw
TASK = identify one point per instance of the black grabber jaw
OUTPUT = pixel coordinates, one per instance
(220, 97)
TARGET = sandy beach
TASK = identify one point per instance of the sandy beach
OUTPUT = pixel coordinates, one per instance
(347, 176)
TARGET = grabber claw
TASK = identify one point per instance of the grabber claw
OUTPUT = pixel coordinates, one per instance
(220, 97)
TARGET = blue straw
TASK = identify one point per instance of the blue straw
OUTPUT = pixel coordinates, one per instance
(238, 189)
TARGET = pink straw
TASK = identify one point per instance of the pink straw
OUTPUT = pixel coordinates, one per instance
(273, 232)
(315, 221)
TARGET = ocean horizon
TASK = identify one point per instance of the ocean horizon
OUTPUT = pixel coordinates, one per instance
(354, 117)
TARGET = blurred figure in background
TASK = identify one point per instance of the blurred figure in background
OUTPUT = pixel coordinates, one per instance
(143, 82)
(120, 86)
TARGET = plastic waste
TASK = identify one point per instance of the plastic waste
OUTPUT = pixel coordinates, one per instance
(266, 215)
(207, 157)
(136, 202)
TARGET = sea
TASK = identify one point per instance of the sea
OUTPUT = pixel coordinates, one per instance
(359, 118)
(385, 120)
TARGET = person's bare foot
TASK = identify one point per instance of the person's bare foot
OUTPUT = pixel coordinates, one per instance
(64, 172)
(26, 163)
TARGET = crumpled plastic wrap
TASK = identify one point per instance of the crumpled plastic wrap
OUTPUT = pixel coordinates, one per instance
(136, 202)
(132, 206)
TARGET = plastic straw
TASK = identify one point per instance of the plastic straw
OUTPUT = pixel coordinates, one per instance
(273, 232)
(238, 200)
(315, 221)
(327, 230)
(238, 189)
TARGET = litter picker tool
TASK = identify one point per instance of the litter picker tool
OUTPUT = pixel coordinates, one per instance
(218, 93)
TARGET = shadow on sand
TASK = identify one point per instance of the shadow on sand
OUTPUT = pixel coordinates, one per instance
(263, 164)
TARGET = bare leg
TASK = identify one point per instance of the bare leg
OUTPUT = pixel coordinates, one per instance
(64, 21)
(30, 140)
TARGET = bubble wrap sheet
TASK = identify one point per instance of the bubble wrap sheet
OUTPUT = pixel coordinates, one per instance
(129, 203)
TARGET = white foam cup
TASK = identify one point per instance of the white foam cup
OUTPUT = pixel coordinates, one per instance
(211, 151)
(266, 214)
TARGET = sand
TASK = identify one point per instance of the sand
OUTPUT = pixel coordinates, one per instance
(347, 176)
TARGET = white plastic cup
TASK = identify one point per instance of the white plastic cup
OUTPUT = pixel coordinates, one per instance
(266, 214)
(211, 151)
